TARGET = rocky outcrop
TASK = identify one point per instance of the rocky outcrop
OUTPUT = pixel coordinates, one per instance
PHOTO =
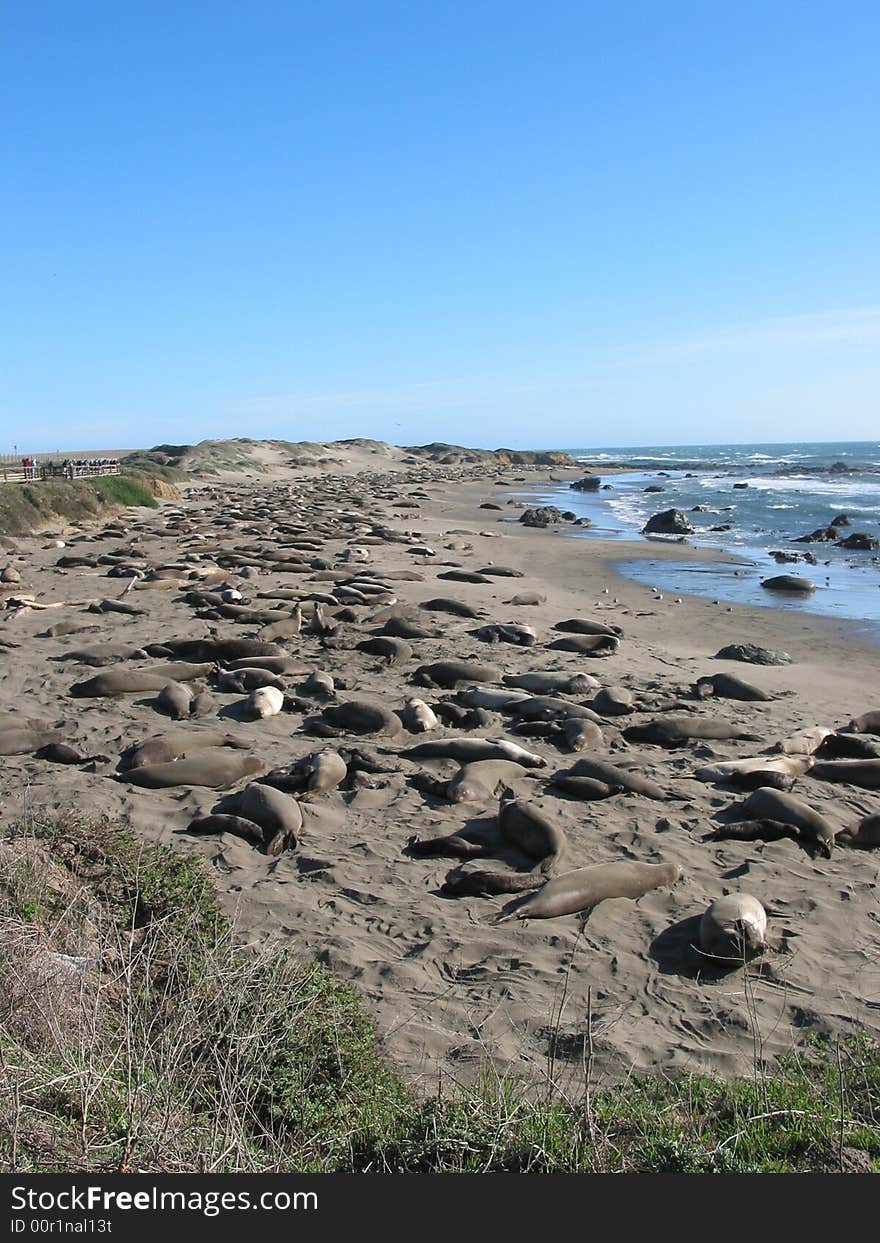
(589, 483)
(860, 541)
(669, 522)
(545, 516)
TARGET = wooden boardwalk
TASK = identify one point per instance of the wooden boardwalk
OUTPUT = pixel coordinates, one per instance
(33, 469)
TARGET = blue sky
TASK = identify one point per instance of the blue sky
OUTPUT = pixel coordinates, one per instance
(512, 224)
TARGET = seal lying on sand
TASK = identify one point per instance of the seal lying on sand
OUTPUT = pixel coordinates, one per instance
(582, 625)
(866, 836)
(164, 748)
(525, 827)
(586, 644)
(587, 887)
(25, 741)
(734, 928)
(447, 673)
(675, 731)
(307, 777)
(613, 775)
(211, 768)
(552, 682)
(468, 750)
(863, 773)
(476, 782)
(357, 716)
(727, 686)
(764, 804)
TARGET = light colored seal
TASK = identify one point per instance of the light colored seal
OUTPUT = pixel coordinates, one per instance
(264, 702)
(585, 888)
(418, 717)
(734, 928)
(211, 768)
(467, 750)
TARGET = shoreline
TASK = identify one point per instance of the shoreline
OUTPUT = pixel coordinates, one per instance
(632, 546)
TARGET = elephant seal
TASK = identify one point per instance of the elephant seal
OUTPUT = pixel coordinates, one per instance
(393, 649)
(585, 888)
(25, 741)
(237, 825)
(579, 734)
(418, 717)
(273, 664)
(490, 698)
(764, 804)
(118, 682)
(613, 701)
(175, 698)
(552, 682)
(863, 773)
(483, 882)
(165, 748)
(734, 928)
(480, 780)
(264, 702)
(311, 775)
(612, 775)
(407, 628)
(244, 680)
(60, 753)
(357, 716)
(549, 708)
(586, 788)
(442, 604)
(727, 686)
(675, 731)
(804, 743)
(754, 779)
(759, 830)
(586, 644)
(506, 632)
(219, 650)
(468, 750)
(275, 812)
(212, 768)
(582, 625)
(849, 747)
(866, 836)
(867, 723)
(284, 628)
(181, 670)
(103, 654)
(725, 770)
(531, 831)
(447, 673)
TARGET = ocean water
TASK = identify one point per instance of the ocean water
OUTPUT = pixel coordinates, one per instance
(792, 490)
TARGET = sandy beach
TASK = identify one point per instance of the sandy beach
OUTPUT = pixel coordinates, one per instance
(454, 994)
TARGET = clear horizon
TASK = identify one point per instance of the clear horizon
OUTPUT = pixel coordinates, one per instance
(487, 225)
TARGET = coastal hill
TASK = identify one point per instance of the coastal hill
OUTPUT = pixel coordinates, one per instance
(243, 456)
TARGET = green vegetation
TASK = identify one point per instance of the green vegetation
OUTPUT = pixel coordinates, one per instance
(24, 507)
(135, 1033)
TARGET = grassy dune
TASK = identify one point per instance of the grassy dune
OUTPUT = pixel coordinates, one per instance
(26, 507)
(136, 1034)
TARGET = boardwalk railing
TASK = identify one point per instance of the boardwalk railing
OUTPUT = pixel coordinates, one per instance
(30, 469)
